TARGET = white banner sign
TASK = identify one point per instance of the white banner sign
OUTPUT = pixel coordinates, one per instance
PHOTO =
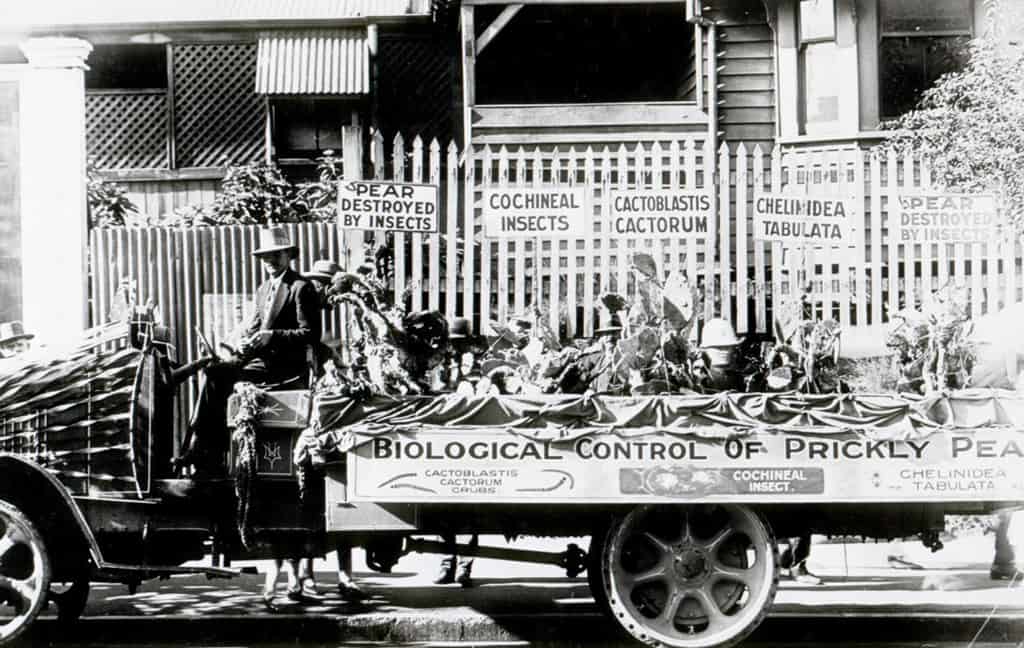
(947, 218)
(393, 206)
(449, 466)
(821, 220)
(535, 213)
(660, 213)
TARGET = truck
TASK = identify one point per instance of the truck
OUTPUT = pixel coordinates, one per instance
(682, 495)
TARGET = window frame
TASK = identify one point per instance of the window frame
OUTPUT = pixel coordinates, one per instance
(882, 35)
(350, 106)
(164, 48)
(537, 117)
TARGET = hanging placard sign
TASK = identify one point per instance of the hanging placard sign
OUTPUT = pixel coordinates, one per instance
(785, 218)
(660, 213)
(391, 206)
(947, 218)
(551, 212)
(486, 465)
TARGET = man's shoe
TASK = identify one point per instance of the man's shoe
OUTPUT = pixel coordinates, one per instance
(447, 574)
(1005, 571)
(465, 577)
(268, 600)
(804, 577)
(296, 594)
(351, 592)
(309, 588)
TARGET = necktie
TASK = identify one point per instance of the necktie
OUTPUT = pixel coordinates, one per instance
(271, 293)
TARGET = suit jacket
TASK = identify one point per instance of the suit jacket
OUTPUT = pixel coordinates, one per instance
(294, 319)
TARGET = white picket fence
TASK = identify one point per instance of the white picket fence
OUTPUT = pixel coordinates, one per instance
(461, 273)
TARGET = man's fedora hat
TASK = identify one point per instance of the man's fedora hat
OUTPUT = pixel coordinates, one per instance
(12, 332)
(323, 269)
(275, 239)
(614, 327)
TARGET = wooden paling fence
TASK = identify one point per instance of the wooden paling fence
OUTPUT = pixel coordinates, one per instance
(201, 278)
(205, 277)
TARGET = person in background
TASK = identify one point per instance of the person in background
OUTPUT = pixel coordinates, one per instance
(321, 274)
(793, 561)
(999, 364)
(14, 341)
(1004, 563)
(463, 375)
(274, 566)
(718, 345)
(455, 568)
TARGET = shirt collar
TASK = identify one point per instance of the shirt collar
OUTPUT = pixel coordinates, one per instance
(276, 281)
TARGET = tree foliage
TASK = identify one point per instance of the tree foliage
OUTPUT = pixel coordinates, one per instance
(259, 194)
(108, 202)
(970, 125)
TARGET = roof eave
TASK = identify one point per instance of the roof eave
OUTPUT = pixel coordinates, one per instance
(191, 25)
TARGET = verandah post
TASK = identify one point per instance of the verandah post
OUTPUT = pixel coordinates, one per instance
(352, 241)
(352, 169)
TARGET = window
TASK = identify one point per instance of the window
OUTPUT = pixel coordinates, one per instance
(126, 107)
(564, 54)
(304, 128)
(127, 67)
(920, 41)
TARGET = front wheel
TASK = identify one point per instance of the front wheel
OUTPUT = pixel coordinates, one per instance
(690, 576)
(24, 573)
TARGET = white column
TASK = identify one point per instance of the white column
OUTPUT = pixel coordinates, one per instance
(787, 70)
(54, 235)
(846, 67)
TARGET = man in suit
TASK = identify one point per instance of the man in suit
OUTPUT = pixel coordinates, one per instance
(286, 318)
(274, 351)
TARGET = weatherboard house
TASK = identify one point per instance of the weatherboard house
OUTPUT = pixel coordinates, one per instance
(662, 126)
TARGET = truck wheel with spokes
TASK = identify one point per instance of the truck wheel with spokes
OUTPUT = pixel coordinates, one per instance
(690, 576)
(24, 573)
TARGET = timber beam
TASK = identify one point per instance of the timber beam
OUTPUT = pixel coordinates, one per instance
(495, 27)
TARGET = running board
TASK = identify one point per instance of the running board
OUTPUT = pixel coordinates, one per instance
(118, 572)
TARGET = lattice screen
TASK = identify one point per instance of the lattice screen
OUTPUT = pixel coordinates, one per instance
(415, 87)
(218, 117)
(127, 130)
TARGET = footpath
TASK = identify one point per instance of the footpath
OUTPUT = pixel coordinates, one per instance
(862, 597)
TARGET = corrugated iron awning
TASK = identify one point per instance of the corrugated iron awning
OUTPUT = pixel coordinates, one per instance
(321, 61)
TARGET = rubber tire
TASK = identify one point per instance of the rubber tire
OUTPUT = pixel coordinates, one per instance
(71, 602)
(752, 625)
(598, 587)
(36, 539)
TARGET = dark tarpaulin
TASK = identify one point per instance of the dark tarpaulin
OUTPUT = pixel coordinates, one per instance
(339, 423)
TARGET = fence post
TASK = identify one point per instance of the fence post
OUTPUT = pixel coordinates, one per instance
(352, 169)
